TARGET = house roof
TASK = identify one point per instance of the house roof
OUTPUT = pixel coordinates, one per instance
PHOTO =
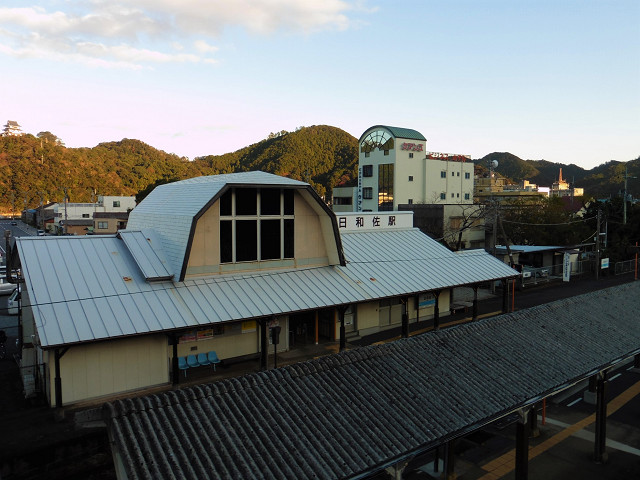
(172, 209)
(351, 414)
(398, 132)
(530, 248)
(90, 288)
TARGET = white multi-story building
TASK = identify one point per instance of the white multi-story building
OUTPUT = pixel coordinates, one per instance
(85, 211)
(395, 168)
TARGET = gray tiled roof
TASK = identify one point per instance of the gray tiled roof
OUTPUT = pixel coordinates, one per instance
(355, 412)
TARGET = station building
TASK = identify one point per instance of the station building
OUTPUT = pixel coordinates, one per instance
(212, 264)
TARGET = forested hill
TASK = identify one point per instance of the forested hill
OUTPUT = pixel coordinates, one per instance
(322, 156)
(33, 169)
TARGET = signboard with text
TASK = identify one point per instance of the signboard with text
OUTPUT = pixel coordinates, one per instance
(358, 221)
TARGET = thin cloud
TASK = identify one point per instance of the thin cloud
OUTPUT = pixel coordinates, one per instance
(111, 34)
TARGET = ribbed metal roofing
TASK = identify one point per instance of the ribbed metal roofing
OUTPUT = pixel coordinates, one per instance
(171, 209)
(398, 132)
(353, 413)
(91, 288)
(150, 260)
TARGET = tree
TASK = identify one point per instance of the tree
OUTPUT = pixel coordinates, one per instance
(49, 137)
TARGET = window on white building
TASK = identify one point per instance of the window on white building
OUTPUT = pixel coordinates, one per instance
(411, 155)
(410, 201)
(103, 225)
(116, 203)
(443, 174)
(411, 178)
(367, 193)
(367, 170)
(85, 215)
(467, 175)
(466, 196)
(443, 196)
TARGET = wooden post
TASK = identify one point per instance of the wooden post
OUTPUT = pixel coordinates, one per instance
(475, 302)
(599, 448)
(263, 343)
(522, 446)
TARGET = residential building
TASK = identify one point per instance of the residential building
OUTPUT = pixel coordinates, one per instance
(12, 129)
(209, 264)
(344, 199)
(109, 222)
(395, 168)
(64, 213)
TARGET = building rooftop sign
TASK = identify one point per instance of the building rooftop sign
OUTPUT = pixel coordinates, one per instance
(364, 221)
(450, 157)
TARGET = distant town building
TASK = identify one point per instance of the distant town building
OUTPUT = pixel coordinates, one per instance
(12, 129)
(561, 188)
(71, 213)
(495, 187)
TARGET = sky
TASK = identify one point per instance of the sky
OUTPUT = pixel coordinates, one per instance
(557, 80)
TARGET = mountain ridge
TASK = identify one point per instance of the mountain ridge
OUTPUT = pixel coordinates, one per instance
(34, 171)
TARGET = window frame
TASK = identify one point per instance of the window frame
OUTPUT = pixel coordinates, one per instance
(231, 222)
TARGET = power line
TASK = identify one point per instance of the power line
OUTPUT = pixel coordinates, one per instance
(548, 224)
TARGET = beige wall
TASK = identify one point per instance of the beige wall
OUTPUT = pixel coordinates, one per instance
(309, 243)
(97, 369)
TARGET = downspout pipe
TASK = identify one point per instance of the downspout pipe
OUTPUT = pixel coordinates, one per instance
(58, 354)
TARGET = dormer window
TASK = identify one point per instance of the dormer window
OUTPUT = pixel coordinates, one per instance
(256, 224)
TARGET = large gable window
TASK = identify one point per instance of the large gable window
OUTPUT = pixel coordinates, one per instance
(256, 224)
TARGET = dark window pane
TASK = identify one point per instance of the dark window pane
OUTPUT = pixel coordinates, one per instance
(246, 240)
(269, 239)
(270, 201)
(225, 203)
(288, 239)
(225, 242)
(288, 202)
(246, 201)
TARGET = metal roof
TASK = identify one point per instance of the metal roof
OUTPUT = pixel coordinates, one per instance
(91, 288)
(172, 209)
(151, 261)
(530, 248)
(398, 132)
(351, 414)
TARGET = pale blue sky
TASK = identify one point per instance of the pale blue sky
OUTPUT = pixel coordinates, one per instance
(555, 80)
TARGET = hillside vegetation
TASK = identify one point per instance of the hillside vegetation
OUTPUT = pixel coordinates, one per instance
(35, 169)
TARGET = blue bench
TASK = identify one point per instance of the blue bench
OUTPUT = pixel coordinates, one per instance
(200, 360)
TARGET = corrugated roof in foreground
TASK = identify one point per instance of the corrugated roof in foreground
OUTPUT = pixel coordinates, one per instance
(353, 413)
(91, 288)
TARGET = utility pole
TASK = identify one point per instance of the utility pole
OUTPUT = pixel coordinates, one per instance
(624, 199)
(598, 248)
(66, 198)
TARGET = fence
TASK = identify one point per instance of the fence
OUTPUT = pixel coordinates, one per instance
(626, 266)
